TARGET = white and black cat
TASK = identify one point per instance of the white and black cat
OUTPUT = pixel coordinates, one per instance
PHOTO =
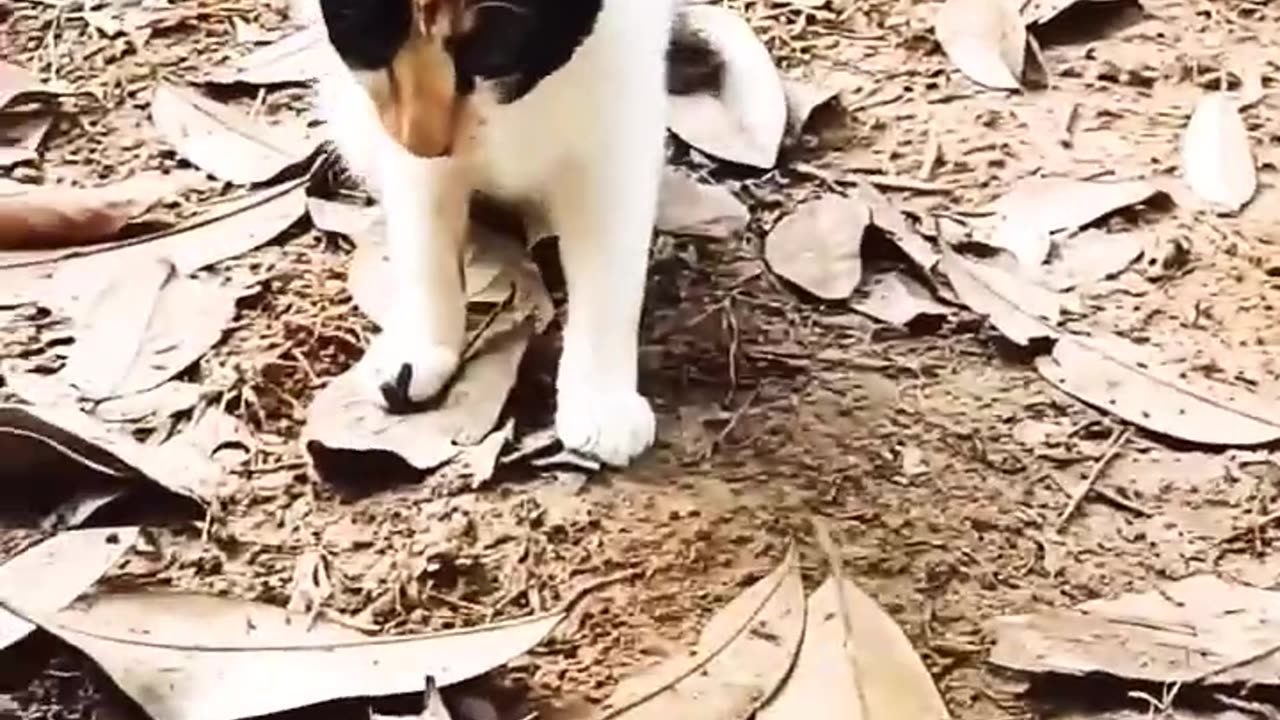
(558, 103)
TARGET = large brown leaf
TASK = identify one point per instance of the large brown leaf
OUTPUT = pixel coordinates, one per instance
(43, 216)
(1116, 376)
(819, 246)
(184, 656)
(743, 655)
(221, 140)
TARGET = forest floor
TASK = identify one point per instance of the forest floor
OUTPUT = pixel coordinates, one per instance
(939, 455)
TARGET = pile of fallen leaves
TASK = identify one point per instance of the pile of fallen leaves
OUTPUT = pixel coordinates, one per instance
(124, 414)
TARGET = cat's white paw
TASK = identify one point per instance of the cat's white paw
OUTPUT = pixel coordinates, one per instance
(613, 427)
(407, 369)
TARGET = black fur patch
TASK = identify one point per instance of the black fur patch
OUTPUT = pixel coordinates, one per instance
(367, 34)
(518, 43)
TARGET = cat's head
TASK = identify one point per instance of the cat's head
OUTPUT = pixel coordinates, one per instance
(423, 62)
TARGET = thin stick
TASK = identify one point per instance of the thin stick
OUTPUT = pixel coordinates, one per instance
(1113, 449)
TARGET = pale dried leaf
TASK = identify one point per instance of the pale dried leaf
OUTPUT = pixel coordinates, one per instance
(147, 325)
(985, 39)
(1217, 161)
(886, 216)
(1036, 208)
(62, 279)
(803, 98)
(855, 663)
(1091, 256)
(1182, 632)
(299, 57)
(19, 85)
(41, 444)
(897, 299)
(191, 657)
(819, 246)
(358, 222)
(221, 140)
(1021, 310)
(688, 207)
(1035, 12)
(743, 655)
(1115, 376)
(170, 398)
(48, 576)
(745, 121)
(46, 216)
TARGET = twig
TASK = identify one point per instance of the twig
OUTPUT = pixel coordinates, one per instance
(1255, 526)
(1113, 449)
(1114, 498)
(1249, 659)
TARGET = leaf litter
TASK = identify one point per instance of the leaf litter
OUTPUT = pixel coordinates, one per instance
(1014, 298)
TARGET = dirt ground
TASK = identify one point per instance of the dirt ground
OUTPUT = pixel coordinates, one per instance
(939, 455)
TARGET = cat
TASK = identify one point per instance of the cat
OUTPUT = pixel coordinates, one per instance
(556, 103)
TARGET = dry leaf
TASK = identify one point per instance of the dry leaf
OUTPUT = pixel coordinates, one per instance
(192, 657)
(1217, 162)
(1200, 630)
(358, 222)
(1115, 376)
(146, 326)
(688, 207)
(1021, 310)
(347, 426)
(743, 655)
(1036, 12)
(1036, 208)
(985, 39)
(19, 86)
(46, 577)
(855, 663)
(1091, 256)
(296, 58)
(61, 279)
(50, 453)
(819, 246)
(221, 140)
(803, 99)
(886, 216)
(21, 135)
(897, 299)
(45, 216)
(745, 121)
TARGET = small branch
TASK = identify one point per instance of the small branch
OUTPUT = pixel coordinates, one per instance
(1113, 449)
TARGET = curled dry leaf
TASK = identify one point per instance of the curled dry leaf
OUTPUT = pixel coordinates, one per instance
(1114, 375)
(346, 425)
(296, 58)
(221, 140)
(1217, 161)
(886, 216)
(819, 246)
(1036, 208)
(1021, 310)
(854, 662)
(745, 120)
(50, 453)
(146, 326)
(803, 99)
(19, 86)
(743, 655)
(42, 216)
(1090, 256)
(1200, 630)
(688, 207)
(985, 39)
(897, 299)
(48, 576)
(61, 279)
(192, 657)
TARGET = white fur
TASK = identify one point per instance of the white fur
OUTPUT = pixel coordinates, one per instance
(586, 147)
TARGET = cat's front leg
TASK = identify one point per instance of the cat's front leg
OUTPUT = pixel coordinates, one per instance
(425, 204)
(603, 213)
